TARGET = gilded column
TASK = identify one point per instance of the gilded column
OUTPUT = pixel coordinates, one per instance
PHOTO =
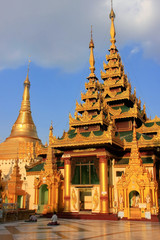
(67, 180)
(103, 173)
(153, 195)
(57, 197)
(156, 198)
(36, 197)
(125, 198)
(49, 194)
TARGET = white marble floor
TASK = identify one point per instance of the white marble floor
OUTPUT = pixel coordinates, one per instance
(80, 229)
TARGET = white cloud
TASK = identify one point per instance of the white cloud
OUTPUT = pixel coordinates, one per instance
(135, 50)
(57, 33)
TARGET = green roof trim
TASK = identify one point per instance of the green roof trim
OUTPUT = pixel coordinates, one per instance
(149, 124)
(128, 136)
(37, 168)
(123, 108)
(85, 134)
(118, 93)
(145, 160)
(125, 134)
(98, 133)
(94, 116)
(71, 131)
(72, 135)
(158, 123)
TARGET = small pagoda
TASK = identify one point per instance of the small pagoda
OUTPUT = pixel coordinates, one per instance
(13, 191)
(49, 185)
(137, 189)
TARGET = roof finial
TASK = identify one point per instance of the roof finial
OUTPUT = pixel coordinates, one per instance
(112, 29)
(91, 59)
(91, 32)
(51, 127)
(111, 4)
(28, 64)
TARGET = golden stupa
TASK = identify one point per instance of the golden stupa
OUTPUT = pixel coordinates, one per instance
(23, 140)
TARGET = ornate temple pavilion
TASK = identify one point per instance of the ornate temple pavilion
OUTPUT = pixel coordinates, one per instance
(106, 164)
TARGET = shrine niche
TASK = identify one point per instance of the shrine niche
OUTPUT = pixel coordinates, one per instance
(137, 190)
(49, 187)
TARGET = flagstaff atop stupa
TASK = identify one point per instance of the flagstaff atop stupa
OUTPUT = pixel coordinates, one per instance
(112, 29)
(91, 59)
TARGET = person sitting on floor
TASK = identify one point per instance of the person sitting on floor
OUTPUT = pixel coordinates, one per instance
(53, 220)
(32, 218)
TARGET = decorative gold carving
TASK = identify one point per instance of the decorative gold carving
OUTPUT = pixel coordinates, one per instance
(74, 200)
(85, 150)
(95, 199)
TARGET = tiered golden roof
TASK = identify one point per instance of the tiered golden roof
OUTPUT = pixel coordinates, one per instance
(92, 111)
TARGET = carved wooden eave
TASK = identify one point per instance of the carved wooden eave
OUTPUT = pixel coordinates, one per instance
(111, 65)
(143, 143)
(116, 97)
(108, 74)
(133, 112)
(156, 119)
(113, 83)
(94, 84)
(92, 140)
(153, 129)
(87, 119)
(88, 106)
(89, 95)
(113, 56)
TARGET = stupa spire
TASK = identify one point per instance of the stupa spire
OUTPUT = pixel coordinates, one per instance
(112, 29)
(24, 125)
(91, 59)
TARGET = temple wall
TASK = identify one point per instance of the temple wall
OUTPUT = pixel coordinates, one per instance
(30, 190)
(7, 166)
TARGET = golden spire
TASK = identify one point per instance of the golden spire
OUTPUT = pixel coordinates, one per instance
(24, 125)
(50, 165)
(50, 133)
(91, 59)
(134, 156)
(112, 29)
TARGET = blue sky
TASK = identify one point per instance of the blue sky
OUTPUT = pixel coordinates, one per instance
(56, 35)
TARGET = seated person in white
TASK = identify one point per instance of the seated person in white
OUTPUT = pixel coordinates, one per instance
(53, 220)
(32, 218)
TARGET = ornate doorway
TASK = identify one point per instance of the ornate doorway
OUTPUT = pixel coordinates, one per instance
(134, 199)
(85, 199)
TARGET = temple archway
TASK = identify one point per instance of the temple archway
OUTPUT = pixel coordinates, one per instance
(43, 196)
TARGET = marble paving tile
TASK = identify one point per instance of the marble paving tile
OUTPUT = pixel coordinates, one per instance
(80, 230)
